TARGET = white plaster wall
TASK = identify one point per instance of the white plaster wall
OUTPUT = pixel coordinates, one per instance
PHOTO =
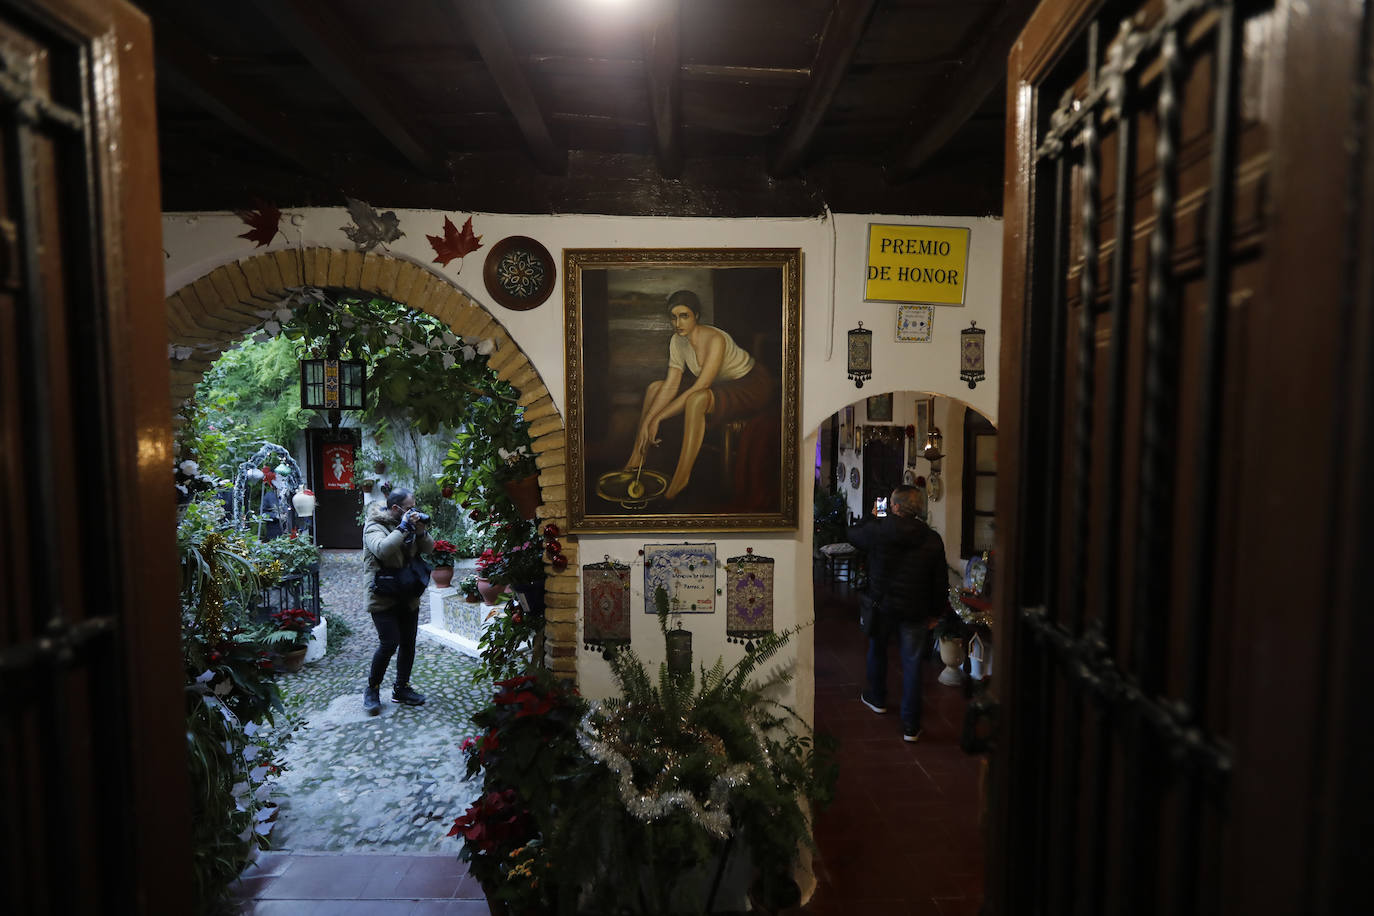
(898, 365)
(833, 268)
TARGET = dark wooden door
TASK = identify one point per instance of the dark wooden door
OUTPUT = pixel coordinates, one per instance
(336, 510)
(95, 803)
(1186, 382)
(882, 457)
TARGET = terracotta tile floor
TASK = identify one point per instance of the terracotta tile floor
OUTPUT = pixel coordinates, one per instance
(901, 838)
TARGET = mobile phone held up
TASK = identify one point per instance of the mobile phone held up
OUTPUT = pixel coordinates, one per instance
(880, 506)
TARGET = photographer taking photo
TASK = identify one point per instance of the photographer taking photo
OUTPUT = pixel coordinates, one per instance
(395, 534)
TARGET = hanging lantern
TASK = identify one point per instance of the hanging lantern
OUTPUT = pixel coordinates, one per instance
(333, 384)
(930, 450)
(934, 440)
(860, 355)
(935, 489)
(679, 650)
(304, 503)
(971, 340)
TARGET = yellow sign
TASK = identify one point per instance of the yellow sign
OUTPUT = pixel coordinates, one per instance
(916, 264)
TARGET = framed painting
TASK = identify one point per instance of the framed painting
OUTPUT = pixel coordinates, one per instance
(915, 322)
(848, 440)
(682, 388)
(879, 408)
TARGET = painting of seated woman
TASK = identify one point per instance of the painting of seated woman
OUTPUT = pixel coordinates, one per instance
(682, 389)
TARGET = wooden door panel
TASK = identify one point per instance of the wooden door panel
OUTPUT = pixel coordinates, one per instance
(91, 688)
(336, 511)
(1182, 591)
(1130, 292)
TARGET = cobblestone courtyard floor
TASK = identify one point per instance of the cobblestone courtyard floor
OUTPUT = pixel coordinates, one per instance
(391, 783)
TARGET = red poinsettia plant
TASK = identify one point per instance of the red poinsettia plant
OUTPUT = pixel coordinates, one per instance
(295, 625)
(494, 824)
(445, 553)
(489, 561)
(529, 736)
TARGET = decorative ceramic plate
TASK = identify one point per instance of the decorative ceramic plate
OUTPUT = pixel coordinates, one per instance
(519, 273)
(854, 478)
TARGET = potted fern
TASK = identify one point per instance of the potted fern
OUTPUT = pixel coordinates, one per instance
(686, 793)
(708, 775)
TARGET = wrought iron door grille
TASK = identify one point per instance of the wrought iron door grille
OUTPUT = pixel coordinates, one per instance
(1104, 692)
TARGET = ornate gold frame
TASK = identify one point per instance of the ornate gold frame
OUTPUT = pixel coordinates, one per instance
(612, 353)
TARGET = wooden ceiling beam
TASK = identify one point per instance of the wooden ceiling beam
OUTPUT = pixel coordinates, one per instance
(843, 32)
(940, 115)
(787, 77)
(623, 68)
(346, 65)
(662, 65)
(484, 28)
(188, 70)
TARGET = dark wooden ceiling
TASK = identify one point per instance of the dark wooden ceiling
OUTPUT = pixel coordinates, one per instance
(646, 107)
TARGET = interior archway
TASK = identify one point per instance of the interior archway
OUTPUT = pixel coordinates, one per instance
(889, 432)
(210, 314)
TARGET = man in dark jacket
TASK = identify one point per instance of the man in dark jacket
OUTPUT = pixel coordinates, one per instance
(910, 586)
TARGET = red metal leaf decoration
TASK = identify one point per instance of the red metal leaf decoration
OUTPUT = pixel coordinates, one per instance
(454, 243)
(263, 224)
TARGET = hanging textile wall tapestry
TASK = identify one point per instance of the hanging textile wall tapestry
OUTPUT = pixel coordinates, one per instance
(749, 599)
(605, 605)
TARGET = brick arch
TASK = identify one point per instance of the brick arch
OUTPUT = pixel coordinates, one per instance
(210, 314)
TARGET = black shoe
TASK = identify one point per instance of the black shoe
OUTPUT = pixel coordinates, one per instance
(372, 700)
(407, 696)
(876, 707)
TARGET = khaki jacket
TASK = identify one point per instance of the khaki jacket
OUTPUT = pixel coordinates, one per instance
(385, 545)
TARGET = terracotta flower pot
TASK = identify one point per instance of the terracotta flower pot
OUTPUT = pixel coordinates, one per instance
(491, 594)
(441, 576)
(293, 661)
(525, 494)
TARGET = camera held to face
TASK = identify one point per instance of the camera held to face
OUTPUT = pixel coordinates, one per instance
(420, 517)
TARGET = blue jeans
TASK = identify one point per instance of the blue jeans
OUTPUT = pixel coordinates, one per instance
(913, 635)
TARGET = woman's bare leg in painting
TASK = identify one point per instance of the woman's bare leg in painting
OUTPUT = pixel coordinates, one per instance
(641, 445)
(694, 413)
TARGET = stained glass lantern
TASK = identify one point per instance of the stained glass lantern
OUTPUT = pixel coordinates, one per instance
(333, 384)
(860, 355)
(971, 368)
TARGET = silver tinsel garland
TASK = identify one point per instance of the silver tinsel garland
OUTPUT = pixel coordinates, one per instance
(714, 816)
